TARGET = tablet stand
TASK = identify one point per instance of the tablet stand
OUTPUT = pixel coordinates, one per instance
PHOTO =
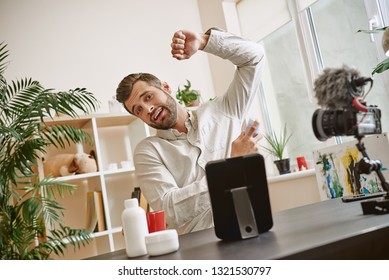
(244, 212)
(239, 197)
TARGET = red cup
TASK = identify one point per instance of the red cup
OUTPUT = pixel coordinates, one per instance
(156, 221)
(301, 163)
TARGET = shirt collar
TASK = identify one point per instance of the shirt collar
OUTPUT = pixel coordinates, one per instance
(174, 134)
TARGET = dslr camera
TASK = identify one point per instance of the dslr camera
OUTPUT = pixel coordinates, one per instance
(340, 91)
(354, 120)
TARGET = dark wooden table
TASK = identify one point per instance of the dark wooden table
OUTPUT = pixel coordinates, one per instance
(326, 230)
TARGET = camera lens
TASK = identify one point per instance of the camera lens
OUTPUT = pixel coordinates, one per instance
(322, 124)
(328, 123)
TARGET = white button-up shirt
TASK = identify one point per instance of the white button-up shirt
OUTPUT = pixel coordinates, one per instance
(170, 166)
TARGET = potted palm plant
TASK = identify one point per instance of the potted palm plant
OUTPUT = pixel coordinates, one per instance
(31, 225)
(276, 147)
(188, 96)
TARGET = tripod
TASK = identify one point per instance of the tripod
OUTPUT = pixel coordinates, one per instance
(366, 166)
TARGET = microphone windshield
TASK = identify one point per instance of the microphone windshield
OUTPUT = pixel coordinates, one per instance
(336, 88)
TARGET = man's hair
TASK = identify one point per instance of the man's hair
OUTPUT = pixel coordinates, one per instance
(124, 89)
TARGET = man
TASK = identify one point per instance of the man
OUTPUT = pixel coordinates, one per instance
(170, 166)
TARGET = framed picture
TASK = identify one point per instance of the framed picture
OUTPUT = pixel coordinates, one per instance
(336, 167)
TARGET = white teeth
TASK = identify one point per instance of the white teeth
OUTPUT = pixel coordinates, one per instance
(157, 114)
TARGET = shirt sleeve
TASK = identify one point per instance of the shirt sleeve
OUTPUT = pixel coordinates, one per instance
(248, 57)
(181, 203)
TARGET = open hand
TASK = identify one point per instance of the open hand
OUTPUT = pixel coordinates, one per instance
(247, 142)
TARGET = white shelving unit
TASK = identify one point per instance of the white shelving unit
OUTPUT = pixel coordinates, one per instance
(114, 137)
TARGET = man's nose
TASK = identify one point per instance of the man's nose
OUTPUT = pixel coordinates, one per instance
(149, 108)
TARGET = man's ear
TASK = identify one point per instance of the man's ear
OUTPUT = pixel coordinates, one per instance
(166, 87)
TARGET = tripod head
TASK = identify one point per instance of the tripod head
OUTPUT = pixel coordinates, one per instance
(366, 166)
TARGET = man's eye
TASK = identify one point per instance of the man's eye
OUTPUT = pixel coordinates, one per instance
(138, 110)
(148, 97)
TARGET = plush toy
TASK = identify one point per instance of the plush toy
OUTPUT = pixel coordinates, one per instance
(69, 164)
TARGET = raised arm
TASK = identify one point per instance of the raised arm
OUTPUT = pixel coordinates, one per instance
(248, 57)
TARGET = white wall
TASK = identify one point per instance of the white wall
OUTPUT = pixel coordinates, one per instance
(95, 43)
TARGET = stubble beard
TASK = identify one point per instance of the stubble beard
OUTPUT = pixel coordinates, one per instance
(171, 108)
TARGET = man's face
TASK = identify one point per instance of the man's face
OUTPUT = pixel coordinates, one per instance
(152, 105)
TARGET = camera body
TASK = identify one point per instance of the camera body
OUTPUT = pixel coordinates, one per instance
(346, 121)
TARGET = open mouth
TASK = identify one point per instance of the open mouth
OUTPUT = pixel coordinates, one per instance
(157, 115)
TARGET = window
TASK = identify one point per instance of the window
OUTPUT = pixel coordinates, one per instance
(286, 91)
(341, 44)
(324, 36)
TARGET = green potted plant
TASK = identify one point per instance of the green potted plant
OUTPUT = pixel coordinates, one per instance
(31, 224)
(276, 147)
(188, 96)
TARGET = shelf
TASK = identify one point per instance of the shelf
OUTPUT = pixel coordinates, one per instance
(78, 176)
(114, 139)
(79, 122)
(94, 174)
(99, 233)
(117, 229)
(118, 171)
(121, 119)
(102, 120)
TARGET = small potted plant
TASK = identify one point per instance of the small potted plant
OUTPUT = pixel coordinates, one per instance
(277, 144)
(188, 96)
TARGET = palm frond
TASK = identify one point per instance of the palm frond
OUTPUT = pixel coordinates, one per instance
(17, 157)
(60, 135)
(28, 100)
(53, 188)
(18, 235)
(41, 199)
(59, 239)
(3, 55)
(28, 204)
(19, 96)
